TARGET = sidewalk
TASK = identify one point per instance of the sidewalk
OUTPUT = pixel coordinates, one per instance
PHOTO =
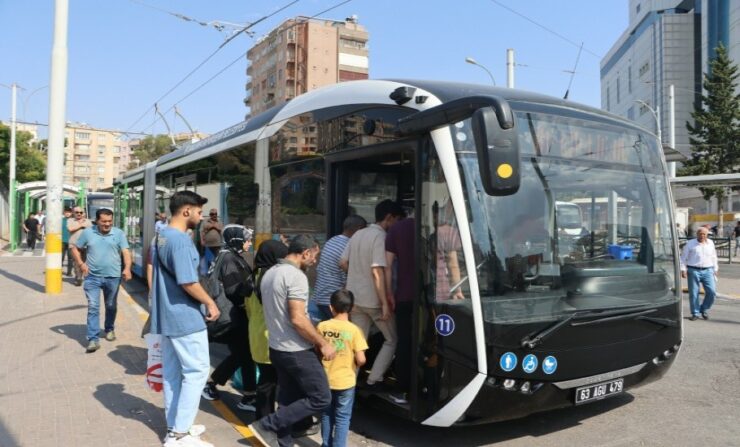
(54, 394)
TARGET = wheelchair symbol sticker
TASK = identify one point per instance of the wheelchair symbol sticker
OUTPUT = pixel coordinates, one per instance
(529, 363)
(508, 361)
(444, 324)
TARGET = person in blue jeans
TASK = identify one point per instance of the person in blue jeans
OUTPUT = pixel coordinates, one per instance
(105, 245)
(699, 265)
(350, 344)
(179, 311)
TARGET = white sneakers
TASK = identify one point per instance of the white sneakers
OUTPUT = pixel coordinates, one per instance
(192, 439)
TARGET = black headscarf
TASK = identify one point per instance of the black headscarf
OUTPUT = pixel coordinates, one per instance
(234, 237)
(269, 253)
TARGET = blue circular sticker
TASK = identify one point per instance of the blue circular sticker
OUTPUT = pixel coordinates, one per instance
(508, 361)
(529, 363)
(549, 365)
(444, 324)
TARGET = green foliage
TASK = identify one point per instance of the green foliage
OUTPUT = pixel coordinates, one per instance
(30, 162)
(152, 147)
(715, 139)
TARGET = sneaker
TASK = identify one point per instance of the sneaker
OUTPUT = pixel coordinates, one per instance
(210, 392)
(78, 282)
(705, 315)
(110, 336)
(247, 403)
(399, 398)
(93, 346)
(186, 441)
(310, 431)
(693, 317)
(266, 437)
(196, 430)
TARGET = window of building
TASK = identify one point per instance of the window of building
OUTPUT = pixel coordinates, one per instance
(101, 180)
(643, 109)
(82, 147)
(631, 113)
(116, 159)
(82, 135)
(82, 157)
(644, 69)
(352, 43)
(101, 137)
(629, 79)
(618, 90)
(101, 170)
(116, 149)
(637, 9)
(608, 103)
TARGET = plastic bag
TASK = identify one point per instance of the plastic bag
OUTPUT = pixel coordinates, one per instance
(154, 361)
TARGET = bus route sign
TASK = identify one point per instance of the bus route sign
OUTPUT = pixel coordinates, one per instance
(444, 324)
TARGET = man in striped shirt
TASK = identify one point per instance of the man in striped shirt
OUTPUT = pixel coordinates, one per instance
(329, 277)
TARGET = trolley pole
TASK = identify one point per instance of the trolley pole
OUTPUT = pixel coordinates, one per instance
(510, 68)
(55, 153)
(672, 127)
(11, 186)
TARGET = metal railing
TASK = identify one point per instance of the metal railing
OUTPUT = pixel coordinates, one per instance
(723, 245)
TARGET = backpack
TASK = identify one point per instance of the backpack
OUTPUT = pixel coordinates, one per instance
(215, 289)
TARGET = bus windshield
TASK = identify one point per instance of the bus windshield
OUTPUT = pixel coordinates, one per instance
(589, 228)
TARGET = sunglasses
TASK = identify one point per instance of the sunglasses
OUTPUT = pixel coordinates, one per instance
(79, 212)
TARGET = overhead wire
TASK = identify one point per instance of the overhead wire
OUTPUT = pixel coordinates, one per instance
(240, 57)
(210, 56)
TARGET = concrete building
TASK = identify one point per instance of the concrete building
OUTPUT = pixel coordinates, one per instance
(94, 156)
(303, 54)
(31, 128)
(669, 42)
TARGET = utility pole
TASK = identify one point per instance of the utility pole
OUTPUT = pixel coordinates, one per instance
(672, 127)
(11, 186)
(55, 153)
(510, 68)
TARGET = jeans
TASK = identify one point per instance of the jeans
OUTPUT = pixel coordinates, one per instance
(404, 356)
(93, 286)
(335, 419)
(364, 317)
(65, 252)
(185, 367)
(303, 390)
(266, 391)
(696, 277)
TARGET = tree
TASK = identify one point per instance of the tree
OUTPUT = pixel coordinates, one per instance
(151, 148)
(715, 138)
(30, 162)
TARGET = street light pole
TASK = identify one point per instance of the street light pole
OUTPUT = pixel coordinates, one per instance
(11, 187)
(55, 153)
(656, 115)
(25, 101)
(472, 61)
(510, 68)
(672, 127)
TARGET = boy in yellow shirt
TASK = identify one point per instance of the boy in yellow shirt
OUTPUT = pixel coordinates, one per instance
(350, 345)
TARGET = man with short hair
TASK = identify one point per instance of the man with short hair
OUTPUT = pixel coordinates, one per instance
(177, 297)
(699, 264)
(302, 383)
(329, 277)
(210, 235)
(161, 221)
(65, 241)
(76, 226)
(31, 227)
(364, 261)
(104, 245)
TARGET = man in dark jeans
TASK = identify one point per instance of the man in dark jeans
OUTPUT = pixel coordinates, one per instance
(400, 242)
(31, 227)
(302, 383)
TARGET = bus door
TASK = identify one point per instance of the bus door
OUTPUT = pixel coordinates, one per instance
(358, 181)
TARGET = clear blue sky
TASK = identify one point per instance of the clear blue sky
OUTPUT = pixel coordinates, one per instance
(124, 54)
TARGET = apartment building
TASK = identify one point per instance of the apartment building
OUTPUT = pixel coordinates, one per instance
(94, 156)
(303, 54)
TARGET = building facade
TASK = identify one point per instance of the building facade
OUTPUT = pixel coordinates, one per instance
(304, 54)
(669, 42)
(94, 156)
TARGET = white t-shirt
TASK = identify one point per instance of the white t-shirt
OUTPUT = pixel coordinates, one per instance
(365, 250)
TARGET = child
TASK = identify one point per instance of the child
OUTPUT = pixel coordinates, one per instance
(342, 370)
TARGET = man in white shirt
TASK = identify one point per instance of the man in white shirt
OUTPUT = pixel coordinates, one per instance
(699, 264)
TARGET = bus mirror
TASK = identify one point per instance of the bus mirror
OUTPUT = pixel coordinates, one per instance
(498, 153)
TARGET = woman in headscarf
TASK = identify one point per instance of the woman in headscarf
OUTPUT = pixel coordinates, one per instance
(267, 255)
(237, 280)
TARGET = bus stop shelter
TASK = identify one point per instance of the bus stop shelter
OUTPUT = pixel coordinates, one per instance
(28, 198)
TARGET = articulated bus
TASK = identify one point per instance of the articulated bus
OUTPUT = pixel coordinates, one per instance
(97, 200)
(512, 315)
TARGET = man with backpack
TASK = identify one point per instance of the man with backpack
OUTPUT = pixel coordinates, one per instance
(176, 314)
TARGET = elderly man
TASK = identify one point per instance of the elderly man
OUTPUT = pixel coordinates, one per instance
(699, 264)
(75, 227)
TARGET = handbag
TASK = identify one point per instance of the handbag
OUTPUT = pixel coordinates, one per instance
(211, 283)
(154, 361)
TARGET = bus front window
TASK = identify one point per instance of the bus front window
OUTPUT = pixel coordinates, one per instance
(589, 228)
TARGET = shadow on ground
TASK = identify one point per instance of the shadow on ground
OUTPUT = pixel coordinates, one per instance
(132, 358)
(77, 332)
(122, 404)
(33, 285)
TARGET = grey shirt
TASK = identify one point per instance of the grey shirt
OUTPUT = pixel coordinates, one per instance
(282, 283)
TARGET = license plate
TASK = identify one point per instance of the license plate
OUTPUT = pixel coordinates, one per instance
(599, 391)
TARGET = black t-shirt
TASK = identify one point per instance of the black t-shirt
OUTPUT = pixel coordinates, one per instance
(737, 231)
(32, 224)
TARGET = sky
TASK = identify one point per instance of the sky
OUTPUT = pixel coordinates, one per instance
(124, 55)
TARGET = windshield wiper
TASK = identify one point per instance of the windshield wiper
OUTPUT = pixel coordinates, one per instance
(532, 340)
